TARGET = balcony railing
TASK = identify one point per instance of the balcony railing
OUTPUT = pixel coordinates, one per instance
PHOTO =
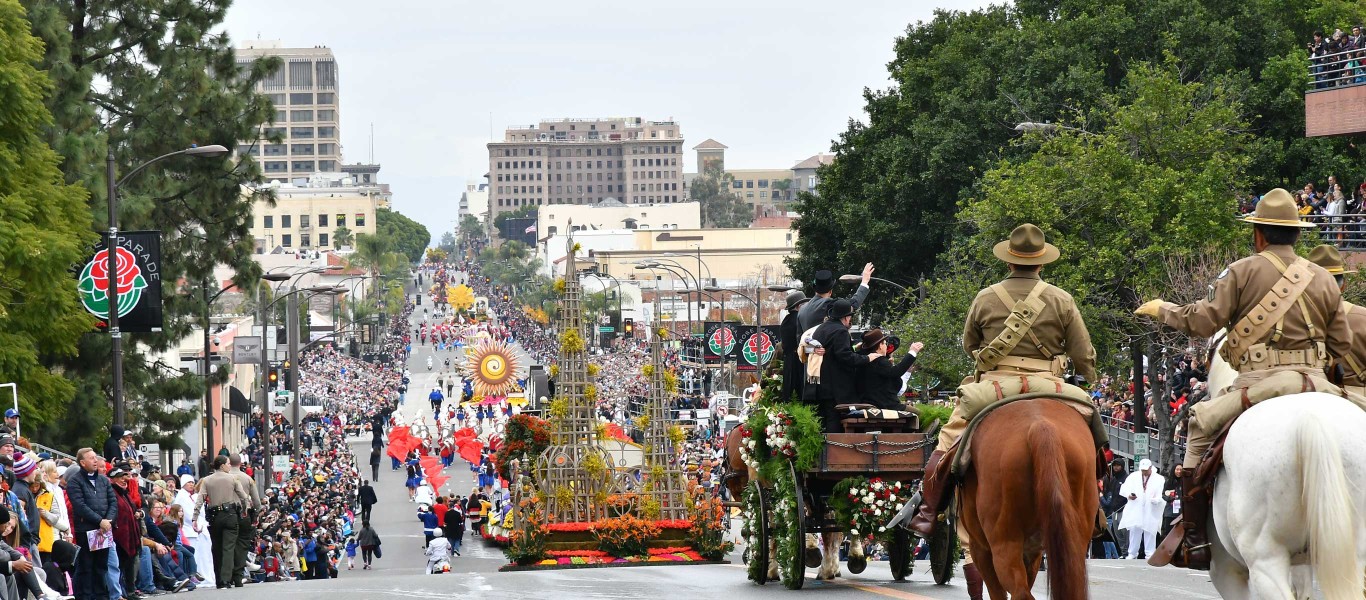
(1339, 69)
(1346, 232)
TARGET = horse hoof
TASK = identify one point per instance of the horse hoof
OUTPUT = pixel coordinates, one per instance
(857, 564)
(813, 558)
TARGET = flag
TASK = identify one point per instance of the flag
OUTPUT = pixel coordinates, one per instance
(470, 450)
(530, 228)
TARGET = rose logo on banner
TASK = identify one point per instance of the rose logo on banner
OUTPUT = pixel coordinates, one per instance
(758, 348)
(93, 284)
(721, 341)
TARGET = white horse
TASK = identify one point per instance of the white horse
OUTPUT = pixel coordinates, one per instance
(1288, 507)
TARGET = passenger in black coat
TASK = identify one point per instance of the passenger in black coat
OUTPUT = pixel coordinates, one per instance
(789, 334)
(839, 364)
(879, 381)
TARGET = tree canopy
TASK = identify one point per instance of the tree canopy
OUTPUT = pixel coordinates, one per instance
(720, 207)
(408, 237)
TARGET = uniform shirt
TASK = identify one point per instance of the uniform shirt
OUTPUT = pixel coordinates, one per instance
(1356, 321)
(218, 489)
(1244, 283)
(1059, 327)
(249, 486)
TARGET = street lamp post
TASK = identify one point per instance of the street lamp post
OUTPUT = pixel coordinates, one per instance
(263, 312)
(111, 246)
(208, 390)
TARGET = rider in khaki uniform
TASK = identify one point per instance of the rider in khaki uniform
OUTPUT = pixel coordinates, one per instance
(1353, 363)
(1020, 332)
(1284, 322)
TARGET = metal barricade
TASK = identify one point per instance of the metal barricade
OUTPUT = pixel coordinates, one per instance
(1346, 232)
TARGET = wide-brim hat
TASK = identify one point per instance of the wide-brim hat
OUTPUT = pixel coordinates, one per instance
(871, 339)
(840, 309)
(796, 298)
(1330, 259)
(825, 281)
(1278, 208)
(1026, 246)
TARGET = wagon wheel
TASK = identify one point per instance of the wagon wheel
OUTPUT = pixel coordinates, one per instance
(944, 549)
(797, 568)
(759, 551)
(901, 555)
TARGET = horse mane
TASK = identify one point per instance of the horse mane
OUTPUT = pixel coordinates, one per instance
(1221, 374)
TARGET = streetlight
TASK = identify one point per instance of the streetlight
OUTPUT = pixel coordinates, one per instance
(617, 285)
(858, 278)
(782, 288)
(681, 273)
(111, 246)
(262, 312)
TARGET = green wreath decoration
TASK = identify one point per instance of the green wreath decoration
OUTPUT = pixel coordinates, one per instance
(790, 542)
(749, 529)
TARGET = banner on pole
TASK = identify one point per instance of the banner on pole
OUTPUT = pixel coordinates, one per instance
(138, 279)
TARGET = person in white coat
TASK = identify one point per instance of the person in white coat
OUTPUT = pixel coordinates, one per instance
(197, 532)
(1143, 512)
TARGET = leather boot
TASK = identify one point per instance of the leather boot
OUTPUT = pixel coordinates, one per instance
(1195, 507)
(974, 579)
(931, 496)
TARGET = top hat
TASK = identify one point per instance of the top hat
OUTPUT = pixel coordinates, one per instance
(825, 281)
(1026, 246)
(1277, 207)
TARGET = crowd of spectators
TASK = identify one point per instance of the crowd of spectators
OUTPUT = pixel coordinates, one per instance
(1336, 210)
(1338, 60)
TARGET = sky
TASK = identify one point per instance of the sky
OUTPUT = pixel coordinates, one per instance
(775, 81)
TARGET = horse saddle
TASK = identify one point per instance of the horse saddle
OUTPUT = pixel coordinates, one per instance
(960, 458)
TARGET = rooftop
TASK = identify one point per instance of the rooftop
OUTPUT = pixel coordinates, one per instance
(815, 161)
(710, 144)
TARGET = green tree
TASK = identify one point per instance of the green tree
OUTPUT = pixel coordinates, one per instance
(342, 237)
(720, 207)
(512, 263)
(45, 228)
(469, 230)
(962, 80)
(782, 189)
(1153, 179)
(142, 79)
(447, 244)
(409, 237)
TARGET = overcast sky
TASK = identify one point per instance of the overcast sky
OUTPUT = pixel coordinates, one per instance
(774, 81)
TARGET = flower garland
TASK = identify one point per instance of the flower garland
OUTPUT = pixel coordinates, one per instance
(786, 534)
(776, 434)
(866, 505)
(748, 442)
(750, 529)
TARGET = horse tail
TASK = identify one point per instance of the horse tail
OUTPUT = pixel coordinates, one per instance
(1066, 564)
(1328, 503)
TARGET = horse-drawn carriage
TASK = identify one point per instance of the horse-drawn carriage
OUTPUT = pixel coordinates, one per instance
(785, 512)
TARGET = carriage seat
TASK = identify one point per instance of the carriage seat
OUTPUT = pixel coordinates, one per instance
(864, 418)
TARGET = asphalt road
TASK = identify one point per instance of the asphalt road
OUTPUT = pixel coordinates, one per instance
(475, 574)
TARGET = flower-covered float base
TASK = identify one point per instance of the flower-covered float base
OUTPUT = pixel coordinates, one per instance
(578, 559)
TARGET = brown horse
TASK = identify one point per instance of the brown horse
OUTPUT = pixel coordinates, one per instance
(1031, 491)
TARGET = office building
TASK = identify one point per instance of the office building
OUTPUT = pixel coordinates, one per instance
(307, 218)
(475, 200)
(586, 161)
(804, 177)
(304, 91)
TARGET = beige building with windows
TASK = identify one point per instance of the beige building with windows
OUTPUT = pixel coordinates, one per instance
(308, 218)
(304, 92)
(726, 257)
(610, 214)
(586, 161)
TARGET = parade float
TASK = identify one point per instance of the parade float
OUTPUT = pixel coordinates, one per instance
(572, 507)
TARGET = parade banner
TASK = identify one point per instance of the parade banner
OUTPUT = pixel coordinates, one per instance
(138, 277)
(757, 346)
(719, 339)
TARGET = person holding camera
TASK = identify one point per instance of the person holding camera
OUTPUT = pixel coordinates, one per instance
(879, 381)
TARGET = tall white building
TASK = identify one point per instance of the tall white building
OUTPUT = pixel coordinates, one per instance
(305, 93)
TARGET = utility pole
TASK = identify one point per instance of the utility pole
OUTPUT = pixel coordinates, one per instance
(265, 384)
(292, 380)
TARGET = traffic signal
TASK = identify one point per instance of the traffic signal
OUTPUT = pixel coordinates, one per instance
(628, 327)
(505, 297)
(273, 379)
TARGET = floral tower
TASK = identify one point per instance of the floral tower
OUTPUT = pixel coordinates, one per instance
(574, 473)
(665, 483)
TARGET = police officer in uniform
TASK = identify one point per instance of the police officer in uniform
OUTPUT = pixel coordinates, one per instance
(1284, 322)
(1353, 365)
(1020, 327)
(226, 501)
(246, 529)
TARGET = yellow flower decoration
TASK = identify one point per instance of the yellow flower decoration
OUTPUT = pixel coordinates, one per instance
(571, 342)
(594, 465)
(643, 422)
(564, 495)
(677, 435)
(590, 392)
(650, 509)
(577, 247)
(670, 382)
(662, 332)
(559, 285)
(559, 408)
(647, 370)
(593, 370)
(555, 370)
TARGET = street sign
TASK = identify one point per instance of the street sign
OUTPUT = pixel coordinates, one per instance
(604, 319)
(247, 350)
(281, 399)
(279, 463)
(606, 329)
(152, 452)
(1140, 447)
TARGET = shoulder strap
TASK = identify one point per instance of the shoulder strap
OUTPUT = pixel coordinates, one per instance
(1270, 312)
(1023, 313)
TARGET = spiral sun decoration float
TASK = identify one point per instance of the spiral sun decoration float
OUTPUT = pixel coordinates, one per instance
(492, 367)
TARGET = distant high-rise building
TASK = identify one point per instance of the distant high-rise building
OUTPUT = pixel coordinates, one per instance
(586, 161)
(304, 91)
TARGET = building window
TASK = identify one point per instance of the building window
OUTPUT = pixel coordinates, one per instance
(327, 98)
(301, 132)
(737, 184)
(301, 74)
(763, 183)
(286, 221)
(327, 132)
(327, 75)
(360, 219)
(275, 149)
(268, 221)
(304, 240)
(249, 150)
(327, 149)
(322, 240)
(287, 240)
(303, 224)
(301, 98)
(301, 149)
(280, 116)
(270, 133)
(300, 116)
(276, 166)
(341, 219)
(327, 115)
(322, 220)
(302, 165)
(327, 166)
(276, 99)
(749, 183)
